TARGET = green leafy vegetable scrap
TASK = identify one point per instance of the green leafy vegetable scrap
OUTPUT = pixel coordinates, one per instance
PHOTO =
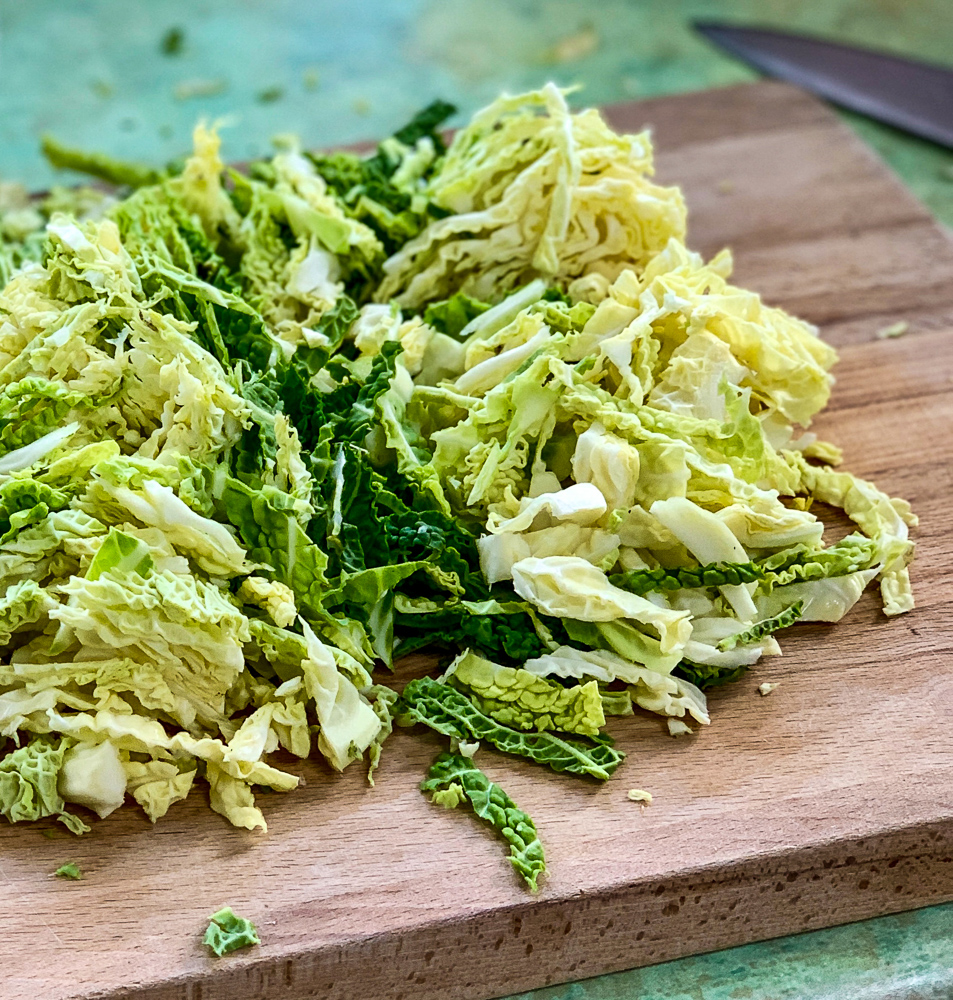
(526, 701)
(454, 780)
(28, 783)
(448, 711)
(99, 165)
(228, 932)
(759, 630)
(173, 42)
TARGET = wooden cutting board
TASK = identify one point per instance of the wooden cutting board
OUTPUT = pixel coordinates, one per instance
(829, 801)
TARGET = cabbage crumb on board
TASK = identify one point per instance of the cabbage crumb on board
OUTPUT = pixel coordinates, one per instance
(264, 433)
(228, 932)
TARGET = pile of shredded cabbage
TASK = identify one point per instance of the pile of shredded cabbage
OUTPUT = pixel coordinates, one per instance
(263, 434)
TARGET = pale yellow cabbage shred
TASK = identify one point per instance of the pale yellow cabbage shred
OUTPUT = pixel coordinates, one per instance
(536, 190)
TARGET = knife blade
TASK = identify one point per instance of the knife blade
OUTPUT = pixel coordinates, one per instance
(910, 95)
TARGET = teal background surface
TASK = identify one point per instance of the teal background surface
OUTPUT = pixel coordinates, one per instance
(908, 956)
(93, 73)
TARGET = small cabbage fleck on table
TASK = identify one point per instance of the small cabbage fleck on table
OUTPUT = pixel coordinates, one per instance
(264, 433)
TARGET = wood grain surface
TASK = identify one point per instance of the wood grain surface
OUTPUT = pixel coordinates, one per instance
(828, 801)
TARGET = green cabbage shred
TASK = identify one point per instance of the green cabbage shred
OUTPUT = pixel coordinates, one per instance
(454, 780)
(449, 712)
(228, 932)
(760, 629)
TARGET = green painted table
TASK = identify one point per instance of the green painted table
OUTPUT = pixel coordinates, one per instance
(132, 79)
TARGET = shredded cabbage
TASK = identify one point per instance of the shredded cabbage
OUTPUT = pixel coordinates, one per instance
(262, 433)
